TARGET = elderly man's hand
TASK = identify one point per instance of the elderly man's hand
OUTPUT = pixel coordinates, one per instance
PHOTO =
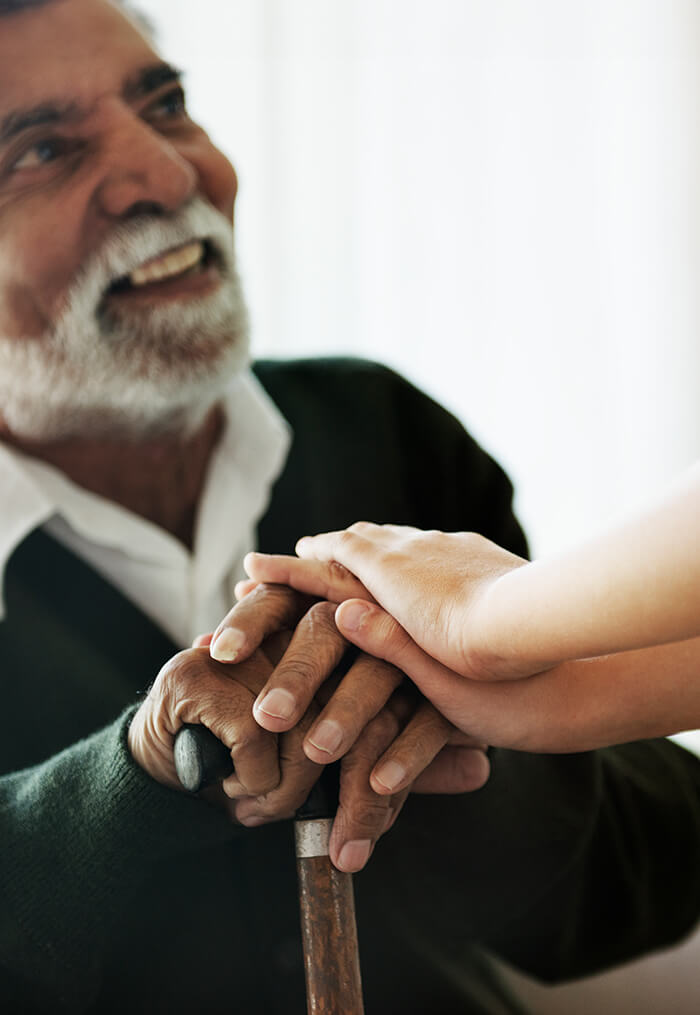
(193, 688)
(370, 716)
(272, 776)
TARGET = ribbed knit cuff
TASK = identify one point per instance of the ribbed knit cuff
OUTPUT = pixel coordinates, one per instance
(78, 833)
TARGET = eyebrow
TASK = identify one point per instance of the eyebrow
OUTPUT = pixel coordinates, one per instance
(24, 119)
(146, 81)
(150, 79)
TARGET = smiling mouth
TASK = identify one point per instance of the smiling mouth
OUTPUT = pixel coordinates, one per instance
(189, 259)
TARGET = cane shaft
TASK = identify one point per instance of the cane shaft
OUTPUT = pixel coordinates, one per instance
(329, 934)
(326, 902)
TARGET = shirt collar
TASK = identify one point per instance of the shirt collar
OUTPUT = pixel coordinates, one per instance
(248, 459)
(25, 506)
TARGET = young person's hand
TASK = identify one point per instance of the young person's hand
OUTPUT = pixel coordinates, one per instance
(437, 585)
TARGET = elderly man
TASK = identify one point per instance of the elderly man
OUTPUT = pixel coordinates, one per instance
(138, 460)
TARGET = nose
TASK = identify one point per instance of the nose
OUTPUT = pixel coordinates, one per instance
(143, 169)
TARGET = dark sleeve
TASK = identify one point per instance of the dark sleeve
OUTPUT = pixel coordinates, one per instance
(79, 833)
(563, 865)
(451, 482)
(370, 446)
(634, 883)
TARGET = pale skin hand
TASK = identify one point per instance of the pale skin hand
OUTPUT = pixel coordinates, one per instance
(378, 732)
(489, 615)
(574, 706)
(433, 583)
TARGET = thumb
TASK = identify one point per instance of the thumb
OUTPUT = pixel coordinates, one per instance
(376, 632)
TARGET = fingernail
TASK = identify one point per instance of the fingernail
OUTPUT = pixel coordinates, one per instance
(353, 616)
(227, 645)
(354, 855)
(278, 703)
(327, 736)
(390, 774)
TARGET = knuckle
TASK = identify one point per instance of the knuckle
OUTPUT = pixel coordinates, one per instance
(360, 528)
(231, 713)
(367, 813)
(381, 670)
(270, 595)
(347, 540)
(303, 666)
(337, 572)
(246, 736)
(182, 671)
(320, 618)
(285, 797)
(391, 557)
(273, 807)
(473, 540)
(428, 721)
(297, 676)
(370, 682)
(379, 732)
(263, 784)
(385, 724)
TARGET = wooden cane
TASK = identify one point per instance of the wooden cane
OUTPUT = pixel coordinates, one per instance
(326, 901)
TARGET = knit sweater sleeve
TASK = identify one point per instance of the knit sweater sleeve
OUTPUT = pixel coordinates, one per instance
(78, 831)
(563, 866)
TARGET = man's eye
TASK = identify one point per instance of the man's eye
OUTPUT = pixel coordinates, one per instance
(44, 151)
(170, 105)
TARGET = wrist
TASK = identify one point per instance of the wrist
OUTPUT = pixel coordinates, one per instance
(481, 636)
(150, 751)
(498, 626)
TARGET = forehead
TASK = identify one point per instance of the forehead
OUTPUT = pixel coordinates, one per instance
(68, 50)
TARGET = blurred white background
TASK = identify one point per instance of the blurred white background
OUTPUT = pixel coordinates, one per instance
(498, 198)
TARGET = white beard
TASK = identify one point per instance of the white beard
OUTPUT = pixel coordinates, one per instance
(130, 372)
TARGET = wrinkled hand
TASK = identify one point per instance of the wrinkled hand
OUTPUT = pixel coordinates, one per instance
(193, 688)
(389, 741)
(436, 584)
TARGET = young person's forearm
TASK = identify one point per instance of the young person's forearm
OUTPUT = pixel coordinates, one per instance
(576, 706)
(635, 585)
(587, 704)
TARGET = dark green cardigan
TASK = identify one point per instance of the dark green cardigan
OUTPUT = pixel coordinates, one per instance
(108, 880)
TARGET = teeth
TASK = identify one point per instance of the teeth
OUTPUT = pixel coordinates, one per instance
(175, 262)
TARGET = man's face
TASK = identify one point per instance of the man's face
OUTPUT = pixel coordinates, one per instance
(102, 173)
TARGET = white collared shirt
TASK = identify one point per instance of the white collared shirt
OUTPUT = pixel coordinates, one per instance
(185, 593)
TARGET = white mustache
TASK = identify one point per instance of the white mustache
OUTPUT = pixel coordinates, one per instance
(147, 237)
